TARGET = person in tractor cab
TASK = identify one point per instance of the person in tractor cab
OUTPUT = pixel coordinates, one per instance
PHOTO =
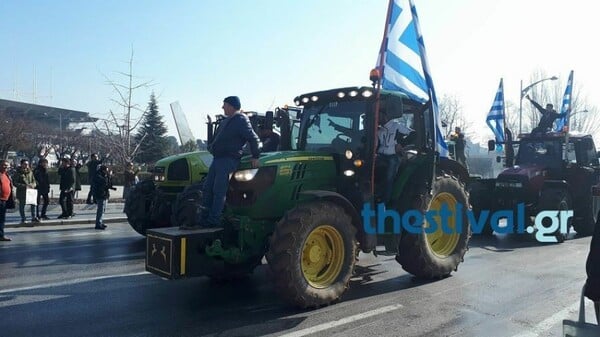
(226, 147)
(549, 115)
(270, 140)
(390, 136)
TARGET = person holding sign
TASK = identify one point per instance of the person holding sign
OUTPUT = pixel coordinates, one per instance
(25, 183)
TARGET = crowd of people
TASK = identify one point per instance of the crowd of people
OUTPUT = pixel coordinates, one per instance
(29, 188)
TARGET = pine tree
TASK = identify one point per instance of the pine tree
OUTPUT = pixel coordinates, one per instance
(152, 135)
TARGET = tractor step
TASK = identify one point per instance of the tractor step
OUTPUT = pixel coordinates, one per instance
(173, 252)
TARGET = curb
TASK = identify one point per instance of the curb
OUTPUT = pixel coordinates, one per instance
(64, 222)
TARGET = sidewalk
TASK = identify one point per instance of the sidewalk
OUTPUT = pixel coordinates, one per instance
(84, 213)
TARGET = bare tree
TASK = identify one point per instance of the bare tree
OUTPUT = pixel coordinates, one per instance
(452, 114)
(116, 132)
(12, 134)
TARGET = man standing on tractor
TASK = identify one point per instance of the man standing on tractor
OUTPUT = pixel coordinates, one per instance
(389, 149)
(226, 147)
(548, 116)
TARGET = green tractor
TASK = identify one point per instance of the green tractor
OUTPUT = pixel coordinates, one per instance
(151, 202)
(304, 207)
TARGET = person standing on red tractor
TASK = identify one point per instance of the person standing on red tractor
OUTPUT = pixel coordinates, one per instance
(226, 147)
(549, 115)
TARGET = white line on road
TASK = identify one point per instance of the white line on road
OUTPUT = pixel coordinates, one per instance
(541, 328)
(349, 319)
(69, 282)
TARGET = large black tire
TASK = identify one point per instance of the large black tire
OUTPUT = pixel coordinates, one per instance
(584, 225)
(436, 255)
(187, 206)
(312, 254)
(138, 205)
(555, 199)
(481, 198)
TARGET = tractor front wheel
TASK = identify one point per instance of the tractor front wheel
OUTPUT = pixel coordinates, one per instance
(312, 254)
(138, 205)
(435, 254)
(187, 206)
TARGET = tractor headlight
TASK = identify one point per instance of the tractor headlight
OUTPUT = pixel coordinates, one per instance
(349, 154)
(245, 175)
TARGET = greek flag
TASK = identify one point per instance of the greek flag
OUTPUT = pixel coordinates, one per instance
(403, 61)
(495, 118)
(565, 109)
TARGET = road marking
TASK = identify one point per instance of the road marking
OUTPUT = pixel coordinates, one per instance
(349, 319)
(27, 299)
(550, 322)
(70, 282)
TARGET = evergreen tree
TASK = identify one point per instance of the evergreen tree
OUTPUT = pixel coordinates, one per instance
(151, 136)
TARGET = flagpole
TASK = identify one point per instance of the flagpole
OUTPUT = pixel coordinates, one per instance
(377, 85)
(503, 111)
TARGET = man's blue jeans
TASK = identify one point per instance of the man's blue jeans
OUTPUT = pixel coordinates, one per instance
(22, 210)
(393, 163)
(2, 217)
(100, 211)
(215, 189)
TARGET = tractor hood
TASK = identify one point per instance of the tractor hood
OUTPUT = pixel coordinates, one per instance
(525, 171)
(287, 157)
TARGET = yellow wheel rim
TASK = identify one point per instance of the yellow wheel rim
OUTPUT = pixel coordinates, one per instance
(322, 256)
(443, 244)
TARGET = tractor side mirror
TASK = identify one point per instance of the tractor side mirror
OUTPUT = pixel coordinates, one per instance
(498, 159)
(491, 145)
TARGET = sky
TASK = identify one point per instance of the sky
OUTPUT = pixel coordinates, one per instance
(267, 52)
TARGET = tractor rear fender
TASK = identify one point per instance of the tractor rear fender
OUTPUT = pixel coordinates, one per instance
(337, 199)
(455, 168)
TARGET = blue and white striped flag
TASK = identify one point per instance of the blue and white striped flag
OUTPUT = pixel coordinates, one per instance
(495, 118)
(565, 109)
(403, 61)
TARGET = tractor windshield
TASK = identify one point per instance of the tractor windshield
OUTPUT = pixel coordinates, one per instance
(544, 153)
(333, 127)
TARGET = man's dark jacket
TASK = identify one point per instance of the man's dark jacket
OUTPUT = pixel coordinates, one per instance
(592, 289)
(232, 134)
(43, 182)
(548, 116)
(67, 178)
(102, 185)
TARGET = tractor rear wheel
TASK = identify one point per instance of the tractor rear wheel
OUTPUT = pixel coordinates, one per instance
(138, 205)
(312, 254)
(437, 254)
(187, 206)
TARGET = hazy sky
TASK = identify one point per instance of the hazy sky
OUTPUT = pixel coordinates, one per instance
(269, 51)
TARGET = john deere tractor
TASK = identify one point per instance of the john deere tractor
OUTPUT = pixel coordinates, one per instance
(151, 202)
(302, 207)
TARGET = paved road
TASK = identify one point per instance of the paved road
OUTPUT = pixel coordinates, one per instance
(75, 281)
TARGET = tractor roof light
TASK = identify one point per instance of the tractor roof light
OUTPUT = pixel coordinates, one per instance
(314, 98)
(297, 102)
(304, 99)
(341, 94)
(353, 93)
(367, 93)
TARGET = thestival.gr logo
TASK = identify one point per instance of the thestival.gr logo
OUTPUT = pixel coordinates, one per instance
(451, 221)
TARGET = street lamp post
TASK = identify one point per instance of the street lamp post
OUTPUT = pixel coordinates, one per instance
(524, 91)
(575, 120)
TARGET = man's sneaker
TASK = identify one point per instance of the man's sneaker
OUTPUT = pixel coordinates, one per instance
(62, 216)
(5, 238)
(35, 220)
(45, 217)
